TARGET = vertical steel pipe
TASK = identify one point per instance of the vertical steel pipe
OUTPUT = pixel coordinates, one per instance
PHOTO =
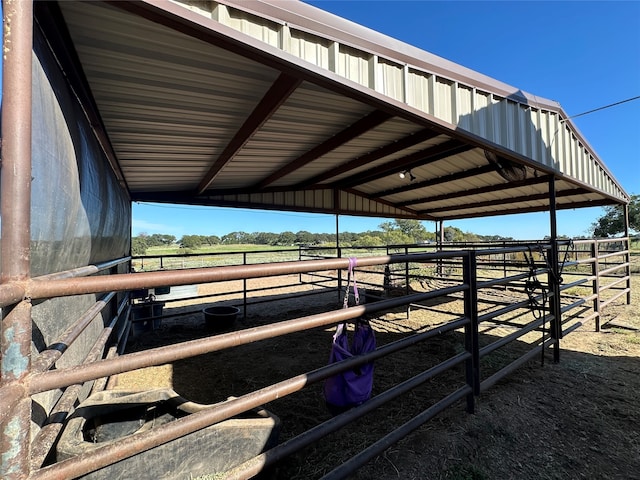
(595, 271)
(15, 206)
(554, 277)
(627, 257)
(471, 340)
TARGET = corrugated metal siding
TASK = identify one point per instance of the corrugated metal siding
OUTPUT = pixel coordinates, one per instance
(509, 122)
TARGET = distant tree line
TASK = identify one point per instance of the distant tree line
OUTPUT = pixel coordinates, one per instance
(396, 232)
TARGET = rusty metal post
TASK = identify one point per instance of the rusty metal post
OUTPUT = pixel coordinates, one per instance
(15, 206)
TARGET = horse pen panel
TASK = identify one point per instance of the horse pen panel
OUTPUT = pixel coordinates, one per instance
(213, 377)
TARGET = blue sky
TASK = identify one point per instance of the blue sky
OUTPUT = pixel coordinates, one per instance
(584, 55)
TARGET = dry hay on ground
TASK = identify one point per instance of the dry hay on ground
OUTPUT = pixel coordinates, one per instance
(576, 419)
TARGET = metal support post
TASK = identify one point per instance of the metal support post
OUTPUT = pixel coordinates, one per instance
(627, 257)
(15, 208)
(554, 274)
(471, 342)
(595, 272)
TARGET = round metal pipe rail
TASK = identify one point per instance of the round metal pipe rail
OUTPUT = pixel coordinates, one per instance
(612, 269)
(503, 372)
(49, 356)
(375, 449)
(614, 298)
(12, 293)
(487, 349)
(613, 284)
(37, 289)
(254, 466)
(509, 308)
(136, 443)
(45, 438)
(50, 380)
(83, 271)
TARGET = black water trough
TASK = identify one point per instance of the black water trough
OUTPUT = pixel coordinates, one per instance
(220, 318)
(111, 416)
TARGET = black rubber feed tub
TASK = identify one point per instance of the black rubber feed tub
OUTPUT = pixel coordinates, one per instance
(221, 318)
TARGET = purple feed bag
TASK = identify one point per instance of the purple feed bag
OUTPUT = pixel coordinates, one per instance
(352, 387)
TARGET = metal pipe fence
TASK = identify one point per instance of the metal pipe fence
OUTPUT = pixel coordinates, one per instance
(468, 289)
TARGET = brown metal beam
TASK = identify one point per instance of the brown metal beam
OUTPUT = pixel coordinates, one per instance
(417, 159)
(390, 149)
(281, 89)
(474, 191)
(354, 130)
(506, 201)
(436, 181)
(541, 208)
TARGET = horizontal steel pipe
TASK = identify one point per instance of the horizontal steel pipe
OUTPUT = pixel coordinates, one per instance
(509, 308)
(505, 280)
(566, 286)
(129, 281)
(257, 464)
(583, 260)
(615, 268)
(351, 465)
(503, 372)
(53, 352)
(487, 349)
(45, 438)
(575, 304)
(613, 284)
(500, 251)
(41, 382)
(83, 271)
(12, 293)
(614, 298)
(137, 443)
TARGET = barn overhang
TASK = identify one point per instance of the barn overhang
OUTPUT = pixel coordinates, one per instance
(279, 105)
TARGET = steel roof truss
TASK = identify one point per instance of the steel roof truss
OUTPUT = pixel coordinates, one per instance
(414, 160)
(475, 191)
(505, 201)
(354, 130)
(389, 149)
(281, 89)
(437, 181)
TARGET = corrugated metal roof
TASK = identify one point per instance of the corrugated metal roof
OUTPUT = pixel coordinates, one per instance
(278, 105)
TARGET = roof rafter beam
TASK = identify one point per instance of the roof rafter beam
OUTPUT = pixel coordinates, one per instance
(281, 89)
(389, 149)
(505, 201)
(475, 191)
(354, 130)
(515, 211)
(417, 159)
(437, 181)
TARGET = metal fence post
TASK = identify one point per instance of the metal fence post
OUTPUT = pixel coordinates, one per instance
(407, 288)
(244, 287)
(595, 271)
(471, 343)
(15, 210)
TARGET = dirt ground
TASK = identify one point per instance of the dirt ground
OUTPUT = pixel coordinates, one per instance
(579, 418)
